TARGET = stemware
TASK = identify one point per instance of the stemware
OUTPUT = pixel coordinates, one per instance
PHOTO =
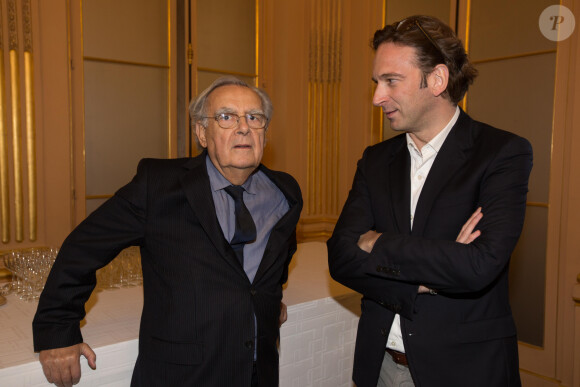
(29, 268)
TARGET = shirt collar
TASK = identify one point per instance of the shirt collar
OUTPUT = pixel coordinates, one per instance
(217, 181)
(437, 142)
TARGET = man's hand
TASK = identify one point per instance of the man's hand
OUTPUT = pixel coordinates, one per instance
(466, 236)
(62, 366)
(283, 314)
(367, 240)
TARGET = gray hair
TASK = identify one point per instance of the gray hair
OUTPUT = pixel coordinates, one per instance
(198, 107)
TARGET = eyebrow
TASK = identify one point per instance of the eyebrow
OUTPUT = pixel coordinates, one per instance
(255, 111)
(228, 110)
(225, 110)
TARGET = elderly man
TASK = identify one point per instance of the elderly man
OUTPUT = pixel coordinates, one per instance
(428, 228)
(216, 234)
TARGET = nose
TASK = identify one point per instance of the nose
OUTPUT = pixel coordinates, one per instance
(380, 95)
(243, 126)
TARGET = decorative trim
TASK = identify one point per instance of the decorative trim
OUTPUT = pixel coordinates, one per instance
(257, 42)
(515, 56)
(16, 145)
(324, 114)
(1, 29)
(463, 102)
(315, 228)
(309, 236)
(218, 71)
(4, 176)
(169, 75)
(27, 25)
(318, 220)
(16, 114)
(12, 28)
(467, 25)
(30, 143)
(125, 62)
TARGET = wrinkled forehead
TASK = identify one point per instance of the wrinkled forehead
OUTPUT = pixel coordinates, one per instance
(234, 98)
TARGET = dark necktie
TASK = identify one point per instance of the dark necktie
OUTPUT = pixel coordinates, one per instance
(245, 227)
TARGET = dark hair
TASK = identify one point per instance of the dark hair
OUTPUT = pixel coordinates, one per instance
(435, 43)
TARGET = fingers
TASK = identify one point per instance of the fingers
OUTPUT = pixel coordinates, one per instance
(473, 220)
(367, 240)
(88, 352)
(283, 314)
(62, 367)
(423, 289)
(47, 372)
(473, 236)
(467, 235)
(58, 371)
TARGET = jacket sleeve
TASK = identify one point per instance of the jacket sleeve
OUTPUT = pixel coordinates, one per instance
(350, 265)
(115, 225)
(455, 268)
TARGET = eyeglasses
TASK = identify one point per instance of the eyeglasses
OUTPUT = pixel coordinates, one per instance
(231, 120)
(416, 23)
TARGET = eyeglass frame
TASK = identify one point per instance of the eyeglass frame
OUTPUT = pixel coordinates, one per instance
(238, 117)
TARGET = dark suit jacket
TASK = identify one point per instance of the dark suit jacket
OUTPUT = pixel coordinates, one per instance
(465, 335)
(197, 326)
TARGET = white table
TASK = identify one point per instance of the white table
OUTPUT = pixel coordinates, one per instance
(316, 345)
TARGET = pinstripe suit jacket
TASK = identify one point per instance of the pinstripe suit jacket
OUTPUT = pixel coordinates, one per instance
(197, 326)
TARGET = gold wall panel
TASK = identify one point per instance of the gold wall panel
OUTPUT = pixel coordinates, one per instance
(324, 114)
(21, 167)
(30, 120)
(4, 193)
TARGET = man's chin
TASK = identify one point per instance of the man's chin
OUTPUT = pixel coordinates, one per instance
(246, 165)
(395, 126)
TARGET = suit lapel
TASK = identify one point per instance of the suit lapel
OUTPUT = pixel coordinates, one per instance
(283, 228)
(195, 182)
(399, 171)
(450, 158)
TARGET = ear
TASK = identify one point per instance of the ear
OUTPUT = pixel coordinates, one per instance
(438, 79)
(200, 133)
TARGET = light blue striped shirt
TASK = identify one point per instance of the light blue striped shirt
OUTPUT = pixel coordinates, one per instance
(266, 203)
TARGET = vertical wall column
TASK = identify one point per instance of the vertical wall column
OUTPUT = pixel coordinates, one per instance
(324, 117)
(4, 193)
(12, 190)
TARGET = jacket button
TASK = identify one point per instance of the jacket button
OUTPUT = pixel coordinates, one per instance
(253, 291)
(384, 332)
(249, 344)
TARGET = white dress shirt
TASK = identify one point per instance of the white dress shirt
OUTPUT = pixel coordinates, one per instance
(421, 162)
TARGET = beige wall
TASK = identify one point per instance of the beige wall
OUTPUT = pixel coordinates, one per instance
(286, 49)
(321, 123)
